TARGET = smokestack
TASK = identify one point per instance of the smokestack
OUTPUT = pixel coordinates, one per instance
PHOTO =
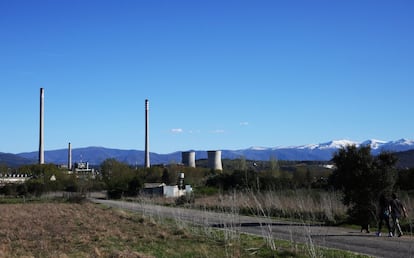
(188, 158)
(147, 155)
(214, 160)
(41, 144)
(70, 157)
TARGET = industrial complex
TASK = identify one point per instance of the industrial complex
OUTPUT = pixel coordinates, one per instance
(83, 170)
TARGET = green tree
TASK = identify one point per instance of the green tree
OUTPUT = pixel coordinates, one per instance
(165, 178)
(117, 177)
(405, 179)
(362, 177)
(134, 186)
(42, 174)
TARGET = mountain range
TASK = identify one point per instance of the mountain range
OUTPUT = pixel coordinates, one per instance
(310, 152)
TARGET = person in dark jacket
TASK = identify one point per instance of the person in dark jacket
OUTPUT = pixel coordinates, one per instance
(384, 212)
(397, 210)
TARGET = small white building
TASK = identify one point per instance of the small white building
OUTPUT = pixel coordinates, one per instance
(162, 189)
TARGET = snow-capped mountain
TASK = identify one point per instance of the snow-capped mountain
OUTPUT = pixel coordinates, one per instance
(376, 145)
(393, 146)
(328, 145)
(321, 152)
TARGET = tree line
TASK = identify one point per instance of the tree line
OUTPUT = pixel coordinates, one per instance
(359, 175)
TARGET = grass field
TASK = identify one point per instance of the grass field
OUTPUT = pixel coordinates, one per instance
(89, 230)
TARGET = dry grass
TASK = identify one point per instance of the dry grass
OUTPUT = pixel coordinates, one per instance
(301, 204)
(85, 230)
(89, 230)
(65, 230)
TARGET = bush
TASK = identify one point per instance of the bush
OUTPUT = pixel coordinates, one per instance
(205, 190)
(406, 179)
(22, 189)
(9, 190)
(185, 199)
(236, 180)
(35, 187)
(115, 193)
(271, 183)
(134, 186)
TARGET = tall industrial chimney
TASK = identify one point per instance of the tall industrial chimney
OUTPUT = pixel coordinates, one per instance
(188, 158)
(214, 160)
(70, 157)
(147, 154)
(41, 144)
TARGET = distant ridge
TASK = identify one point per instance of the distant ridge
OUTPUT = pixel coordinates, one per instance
(13, 160)
(312, 152)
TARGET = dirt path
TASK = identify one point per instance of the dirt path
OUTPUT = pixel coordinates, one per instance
(333, 237)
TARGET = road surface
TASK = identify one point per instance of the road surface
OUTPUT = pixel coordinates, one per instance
(332, 237)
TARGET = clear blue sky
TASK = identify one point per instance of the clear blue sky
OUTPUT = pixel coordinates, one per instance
(218, 74)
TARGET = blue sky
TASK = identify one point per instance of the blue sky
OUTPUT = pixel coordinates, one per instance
(218, 74)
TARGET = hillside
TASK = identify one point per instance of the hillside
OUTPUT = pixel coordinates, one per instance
(13, 160)
(311, 152)
(96, 155)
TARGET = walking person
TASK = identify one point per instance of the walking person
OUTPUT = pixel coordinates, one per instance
(384, 212)
(397, 210)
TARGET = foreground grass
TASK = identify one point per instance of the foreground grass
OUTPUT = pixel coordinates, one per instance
(89, 230)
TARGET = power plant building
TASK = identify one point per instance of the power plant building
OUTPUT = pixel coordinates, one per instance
(214, 160)
(188, 158)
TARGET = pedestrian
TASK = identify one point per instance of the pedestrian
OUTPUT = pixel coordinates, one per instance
(397, 210)
(384, 212)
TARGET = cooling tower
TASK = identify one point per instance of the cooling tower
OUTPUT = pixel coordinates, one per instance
(147, 154)
(188, 158)
(41, 146)
(70, 157)
(214, 160)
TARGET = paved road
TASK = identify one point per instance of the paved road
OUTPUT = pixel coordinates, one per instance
(332, 237)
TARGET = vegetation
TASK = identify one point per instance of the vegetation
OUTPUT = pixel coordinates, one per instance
(405, 180)
(362, 178)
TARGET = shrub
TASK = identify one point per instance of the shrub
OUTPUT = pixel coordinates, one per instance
(185, 199)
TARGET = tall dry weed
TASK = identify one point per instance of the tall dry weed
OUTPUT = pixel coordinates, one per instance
(300, 204)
